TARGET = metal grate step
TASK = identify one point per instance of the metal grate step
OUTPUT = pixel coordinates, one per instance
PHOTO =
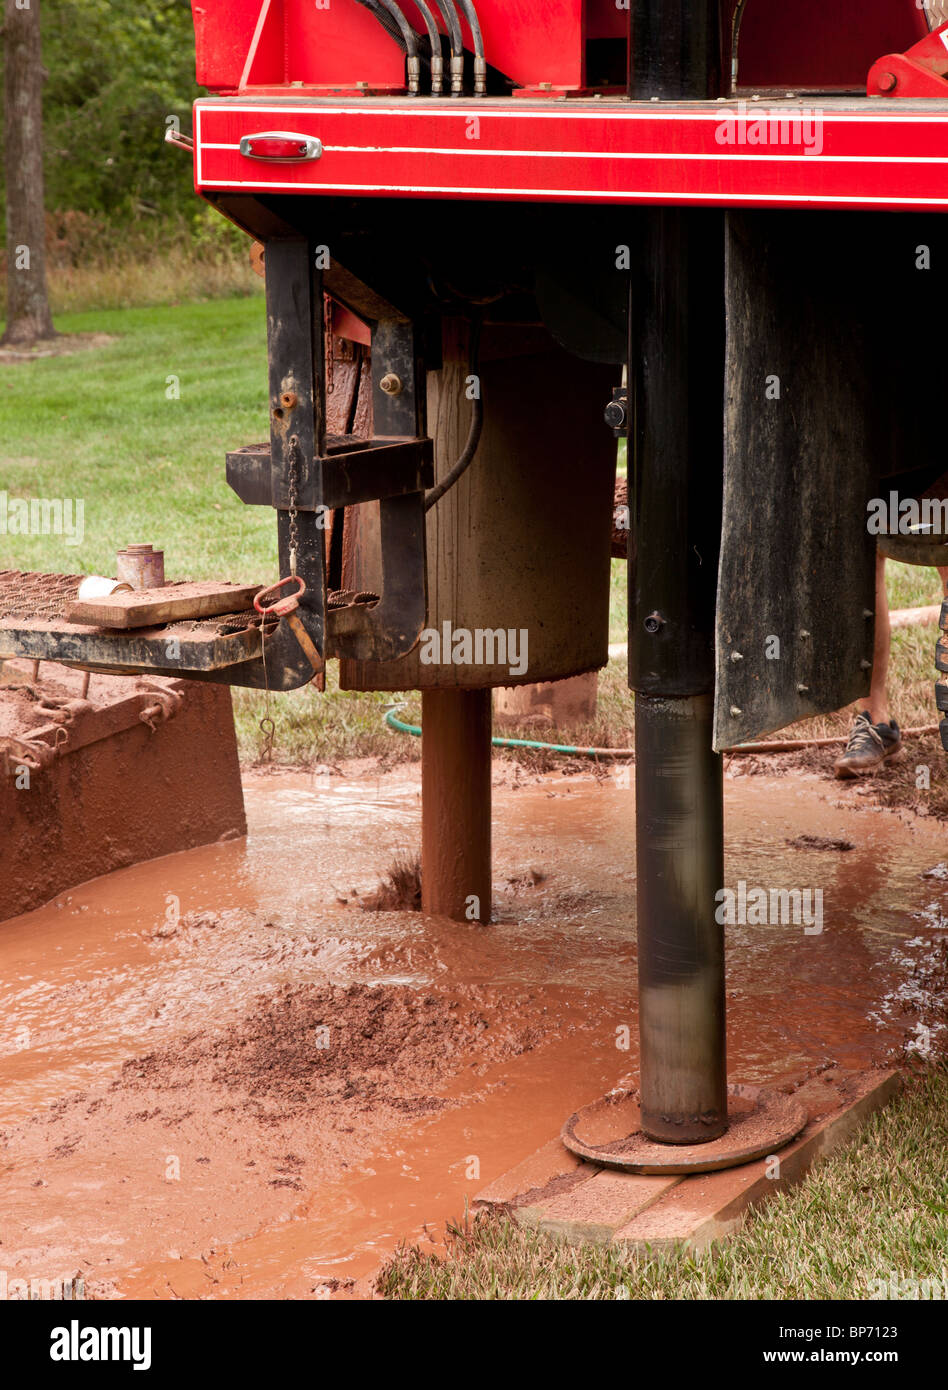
(33, 624)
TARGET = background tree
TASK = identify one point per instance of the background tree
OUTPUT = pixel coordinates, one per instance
(119, 70)
(28, 314)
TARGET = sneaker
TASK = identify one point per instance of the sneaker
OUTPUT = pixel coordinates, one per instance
(870, 745)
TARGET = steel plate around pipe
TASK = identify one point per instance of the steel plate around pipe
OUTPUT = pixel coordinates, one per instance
(609, 1133)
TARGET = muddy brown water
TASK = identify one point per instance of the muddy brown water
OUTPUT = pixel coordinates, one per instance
(220, 1078)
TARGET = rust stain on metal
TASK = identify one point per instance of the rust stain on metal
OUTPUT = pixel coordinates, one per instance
(456, 804)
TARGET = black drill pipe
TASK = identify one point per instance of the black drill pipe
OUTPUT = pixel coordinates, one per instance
(675, 50)
(676, 359)
(677, 322)
(680, 859)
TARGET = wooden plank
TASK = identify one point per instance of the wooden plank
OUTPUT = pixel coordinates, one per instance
(170, 604)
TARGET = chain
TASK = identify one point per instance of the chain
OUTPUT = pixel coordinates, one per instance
(267, 726)
(328, 343)
(268, 729)
(293, 458)
(294, 490)
(941, 684)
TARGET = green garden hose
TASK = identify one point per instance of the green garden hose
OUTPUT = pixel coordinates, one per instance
(400, 727)
(787, 746)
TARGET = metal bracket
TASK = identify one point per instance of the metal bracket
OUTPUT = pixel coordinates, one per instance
(354, 470)
(179, 140)
(390, 628)
(394, 468)
(616, 413)
(921, 71)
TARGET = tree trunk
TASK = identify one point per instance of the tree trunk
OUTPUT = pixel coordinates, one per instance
(28, 316)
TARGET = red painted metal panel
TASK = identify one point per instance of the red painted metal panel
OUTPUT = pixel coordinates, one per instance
(336, 43)
(606, 20)
(534, 41)
(858, 155)
(227, 34)
(822, 44)
(272, 43)
(341, 43)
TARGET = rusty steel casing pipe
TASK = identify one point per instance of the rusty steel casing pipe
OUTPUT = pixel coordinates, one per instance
(456, 804)
(680, 859)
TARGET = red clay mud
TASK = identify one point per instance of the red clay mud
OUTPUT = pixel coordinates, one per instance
(172, 1126)
(223, 1130)
(107, 789)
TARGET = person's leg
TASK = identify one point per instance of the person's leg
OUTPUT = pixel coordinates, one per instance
(878, 704)
(875, 738)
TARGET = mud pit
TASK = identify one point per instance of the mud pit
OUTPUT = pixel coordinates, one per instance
(220, 1078)
(102, 772)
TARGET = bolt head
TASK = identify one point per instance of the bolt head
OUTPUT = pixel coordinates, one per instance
(391, 384)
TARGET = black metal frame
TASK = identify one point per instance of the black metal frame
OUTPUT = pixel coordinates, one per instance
(305, 476)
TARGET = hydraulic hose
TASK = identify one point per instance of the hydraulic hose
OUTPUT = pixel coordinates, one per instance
(411, 45)
(393, 20)
(473, 434)
(374, 7)
(434, 39)
(453, 25)
(735, 40)
(480, 63)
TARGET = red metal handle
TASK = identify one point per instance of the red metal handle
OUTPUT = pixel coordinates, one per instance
(283, 145)
(283, 606)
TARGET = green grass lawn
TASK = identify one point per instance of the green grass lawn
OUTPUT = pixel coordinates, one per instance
(146, 457)
(877, 1208)
(101, 425)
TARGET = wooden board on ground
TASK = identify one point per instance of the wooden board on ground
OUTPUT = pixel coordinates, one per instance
(170, 604)
(579, 1202)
